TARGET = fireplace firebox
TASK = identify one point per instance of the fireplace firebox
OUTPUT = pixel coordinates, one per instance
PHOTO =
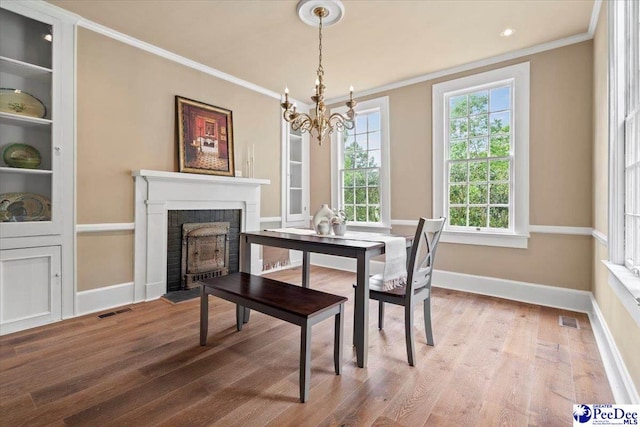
(201, 244)
(205, 252)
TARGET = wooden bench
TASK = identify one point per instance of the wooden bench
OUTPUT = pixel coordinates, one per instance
(294, 304)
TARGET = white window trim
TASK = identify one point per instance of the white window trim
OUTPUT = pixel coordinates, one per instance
(520, 75)
(385, 176)
(620, 277)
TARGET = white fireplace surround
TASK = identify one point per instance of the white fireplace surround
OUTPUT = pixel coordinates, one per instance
(158, 192)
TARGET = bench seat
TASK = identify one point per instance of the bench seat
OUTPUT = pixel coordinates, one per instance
(294, 304)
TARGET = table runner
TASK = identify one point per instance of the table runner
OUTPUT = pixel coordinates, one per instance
(395, 265)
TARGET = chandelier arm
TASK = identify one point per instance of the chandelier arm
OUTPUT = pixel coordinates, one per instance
(340, 121)
(302, 122)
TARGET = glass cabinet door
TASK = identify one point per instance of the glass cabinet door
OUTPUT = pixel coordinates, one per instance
(30, 156)
(296, 178)
(296, 204)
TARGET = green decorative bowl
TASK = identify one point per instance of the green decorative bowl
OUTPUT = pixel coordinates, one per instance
(21, 156)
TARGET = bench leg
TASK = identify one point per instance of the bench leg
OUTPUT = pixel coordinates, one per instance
(337, 344)
(305, 361)
(204, 315)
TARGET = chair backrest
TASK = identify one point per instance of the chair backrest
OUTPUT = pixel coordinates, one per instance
(423, 253)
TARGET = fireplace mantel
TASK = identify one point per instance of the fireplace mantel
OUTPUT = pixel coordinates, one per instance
(157, 192)
(151, 175)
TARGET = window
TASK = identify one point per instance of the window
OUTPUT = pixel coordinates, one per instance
(624, 149)
(480, 162)
(360, 166)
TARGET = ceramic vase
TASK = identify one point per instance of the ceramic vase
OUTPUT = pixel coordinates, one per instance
(322, 213)
(339, 229)
(324, 227)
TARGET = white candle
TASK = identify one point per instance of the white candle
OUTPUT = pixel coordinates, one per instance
(253, 153)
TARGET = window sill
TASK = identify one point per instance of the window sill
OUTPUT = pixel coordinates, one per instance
(626, 285)
(518, 241)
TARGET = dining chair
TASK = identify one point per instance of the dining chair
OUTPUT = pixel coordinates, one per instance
(418, 286)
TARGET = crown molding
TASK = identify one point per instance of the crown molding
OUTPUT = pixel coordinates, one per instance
(132, 41)
(595, 13)
(148, 47)
(579, 38)
(41, 6)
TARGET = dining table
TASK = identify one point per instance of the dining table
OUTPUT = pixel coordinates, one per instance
(360, 250)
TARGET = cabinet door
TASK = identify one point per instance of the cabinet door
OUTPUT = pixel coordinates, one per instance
(296, 177)
(30, 123)
(30, 288)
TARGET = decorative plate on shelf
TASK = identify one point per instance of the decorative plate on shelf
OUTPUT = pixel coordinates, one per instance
(21, 156)
(16, 101)
(23, 207)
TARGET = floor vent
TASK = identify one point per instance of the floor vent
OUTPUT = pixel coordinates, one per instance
(569, 322)
(113, 313)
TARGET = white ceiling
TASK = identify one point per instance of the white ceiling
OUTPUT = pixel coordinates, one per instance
(377, 42)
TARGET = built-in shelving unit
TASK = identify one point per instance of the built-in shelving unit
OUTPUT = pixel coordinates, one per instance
(36, 203)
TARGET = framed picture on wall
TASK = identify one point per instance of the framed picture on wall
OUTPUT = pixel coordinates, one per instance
(205, 138)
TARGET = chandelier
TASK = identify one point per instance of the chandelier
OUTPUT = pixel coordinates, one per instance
(319, 124)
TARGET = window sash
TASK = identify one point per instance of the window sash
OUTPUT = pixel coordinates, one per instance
(375, 129)
(356, 205)
(632, 193)
(518, 75)
(510, 159)
(629, 60)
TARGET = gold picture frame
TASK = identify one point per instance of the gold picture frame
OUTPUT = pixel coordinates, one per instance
(205, 138)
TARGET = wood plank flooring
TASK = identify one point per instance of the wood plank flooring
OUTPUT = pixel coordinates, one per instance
(495, 362)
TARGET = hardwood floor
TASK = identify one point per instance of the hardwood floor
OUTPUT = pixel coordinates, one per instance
(495, 362)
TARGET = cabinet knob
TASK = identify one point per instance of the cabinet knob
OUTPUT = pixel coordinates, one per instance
(57, 148)
(56, 275)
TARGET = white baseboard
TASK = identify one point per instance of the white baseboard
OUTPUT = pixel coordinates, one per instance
(620, 380)
(100, 299)
(155, 290)
(548, 296)
(622, 385)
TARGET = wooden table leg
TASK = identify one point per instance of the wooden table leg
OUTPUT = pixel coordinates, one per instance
(242, 313)
(240, 317)
(306, 265)
(204, 315)
(360, 328)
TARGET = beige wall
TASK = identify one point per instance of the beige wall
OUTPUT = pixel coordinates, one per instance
(624, 329)
(560, 171)
(104, 259)
(126, 121)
